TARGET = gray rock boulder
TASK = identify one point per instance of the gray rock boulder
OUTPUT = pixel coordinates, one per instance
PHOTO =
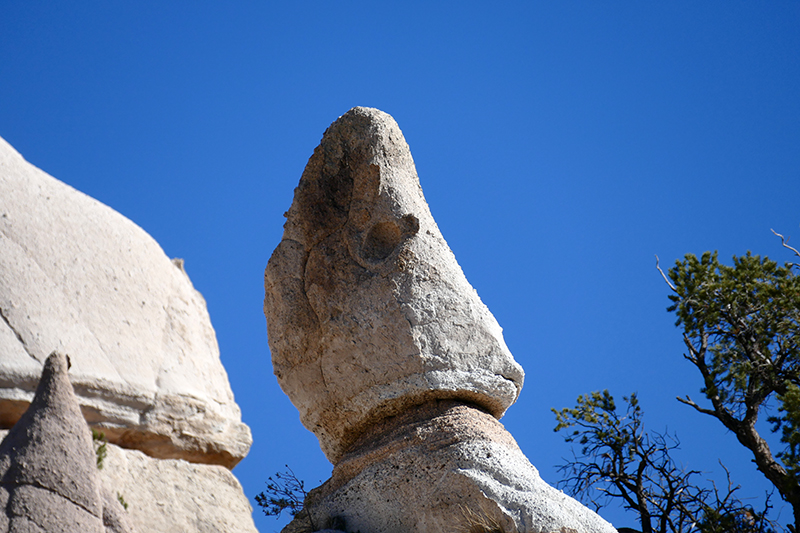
(368, 312)
(49, 480)
(78, 277)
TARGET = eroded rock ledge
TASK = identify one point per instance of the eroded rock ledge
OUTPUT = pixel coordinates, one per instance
(49, 478)
(78, 277)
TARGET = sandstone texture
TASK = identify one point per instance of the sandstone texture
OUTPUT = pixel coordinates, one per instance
(368, 312)
(392, 359)
(442, 466)
(170, 495)
(78, 277)
(49, 481)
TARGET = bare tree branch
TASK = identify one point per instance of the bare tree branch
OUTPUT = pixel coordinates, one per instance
(785, 243)
(671, 286)
(688, 401)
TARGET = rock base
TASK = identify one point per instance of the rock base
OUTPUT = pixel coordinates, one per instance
(442, 466)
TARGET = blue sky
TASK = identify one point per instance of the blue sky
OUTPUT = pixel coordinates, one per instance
(560, 146)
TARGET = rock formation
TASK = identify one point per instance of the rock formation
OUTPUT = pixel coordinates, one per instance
(169, 495)
(78, 277)
(172, 495)
(49, 481)
(392, 359)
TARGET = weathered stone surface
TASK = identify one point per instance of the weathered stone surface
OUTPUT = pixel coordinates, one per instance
(440, 467)
(49, 480)
(392, 359)
(169, 495)
(78, 277)
(368, 311)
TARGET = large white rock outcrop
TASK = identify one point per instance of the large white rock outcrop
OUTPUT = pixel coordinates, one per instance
(392, 359)
(78, 277)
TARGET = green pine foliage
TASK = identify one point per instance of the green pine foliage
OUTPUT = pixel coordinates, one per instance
(741, 327)
(744, 318)
(788, 423)
(100, 447)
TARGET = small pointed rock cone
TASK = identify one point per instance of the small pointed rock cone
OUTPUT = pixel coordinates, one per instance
(48, 472)
(391, 358)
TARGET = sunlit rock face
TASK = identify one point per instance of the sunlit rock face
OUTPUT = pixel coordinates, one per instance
(368, 312)
(392, 359)
(441, 466)
(78, 277)
(50, 481)
(172, 495)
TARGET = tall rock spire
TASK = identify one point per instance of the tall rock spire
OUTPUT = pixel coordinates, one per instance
(390, 356)
(367, 308)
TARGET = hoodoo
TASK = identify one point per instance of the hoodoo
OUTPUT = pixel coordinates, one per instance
(392, 359)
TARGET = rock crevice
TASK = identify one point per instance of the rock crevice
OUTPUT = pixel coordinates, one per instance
(16, 334)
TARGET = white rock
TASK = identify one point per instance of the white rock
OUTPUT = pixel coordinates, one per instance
(173, 495)
(368, 311)
(78, 277)
(170, 495)
(442, 467)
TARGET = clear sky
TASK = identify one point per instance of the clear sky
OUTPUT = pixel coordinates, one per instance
(560, 146)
